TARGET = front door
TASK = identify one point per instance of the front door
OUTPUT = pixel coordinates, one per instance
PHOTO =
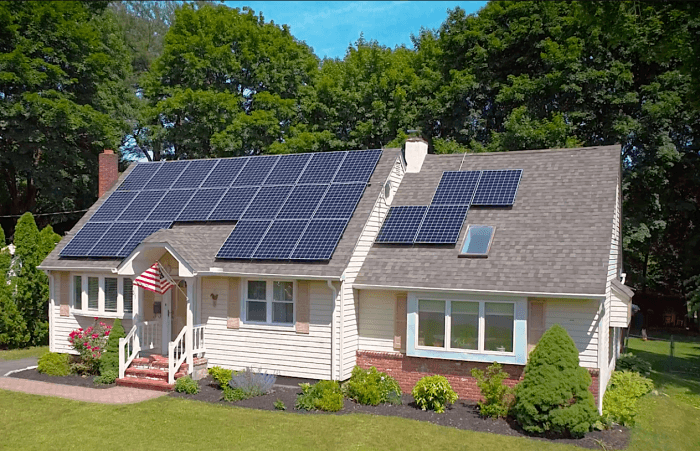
(178, 315)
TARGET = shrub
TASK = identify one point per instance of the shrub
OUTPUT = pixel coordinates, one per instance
(372, 387)
(433, 393)
(90, 344)
(553, 395)
(498, 396)
(620, 400)
(106, 377)
(252, 383)
(279, 405)
(221, 375)
(323, 395)
(54, 364)
(109, 362)
(187, 385)
(630, 362)
(233, 394)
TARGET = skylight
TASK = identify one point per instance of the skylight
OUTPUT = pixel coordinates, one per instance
(478, 241)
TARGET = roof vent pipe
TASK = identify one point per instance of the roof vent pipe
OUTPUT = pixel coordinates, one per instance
(415, 152)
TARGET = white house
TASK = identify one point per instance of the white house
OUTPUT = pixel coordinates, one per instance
(293, 264)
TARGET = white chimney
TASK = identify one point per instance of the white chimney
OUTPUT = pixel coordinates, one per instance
(415, 151)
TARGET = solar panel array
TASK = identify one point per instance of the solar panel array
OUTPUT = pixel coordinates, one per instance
(441, 222)
(287, 206)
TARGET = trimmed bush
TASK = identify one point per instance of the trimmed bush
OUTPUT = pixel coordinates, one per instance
(107, 377)
(187, 385)
(221, 375)
(620, 400)
(372, 387)
(323, 395)
(434, 393)
(498, 396)
(109, 361)
(54, 364)
(553, 395)
(630, 362)
(252, 383)
(233, 394)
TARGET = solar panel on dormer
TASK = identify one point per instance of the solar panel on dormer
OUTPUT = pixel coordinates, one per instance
(456, 188)
(144, 231)
(442, 224)
(167, 174)
(319, 239)
(256, 171)
(141, 206)
(302, 202)
(497, 187)
(267, 202)
(401, 224)
(234, 203)
(85, 239)
(340, 201)
(113, 206)
(224, 173)
(322, 167)
(114, 239)
(280, 240)
(358, 166)
(196, 173)
(288, 169)
(243, 240)
(201, 204)
(171, 205)
(139, 176)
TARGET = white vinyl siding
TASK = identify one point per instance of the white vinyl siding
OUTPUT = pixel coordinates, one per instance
(580, 319)
(620, 311)
(377, 320)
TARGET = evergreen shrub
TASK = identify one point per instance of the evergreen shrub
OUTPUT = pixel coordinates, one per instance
(54, 364)
(372, 387)
(498, 397)
(434, 393)
(221, 375)
(187, 385)
(630, 362)
(109, 360)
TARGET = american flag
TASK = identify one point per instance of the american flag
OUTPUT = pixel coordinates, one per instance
(155, 279)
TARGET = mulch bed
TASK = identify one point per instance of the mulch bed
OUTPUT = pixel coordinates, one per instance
(72, 379)
(461, 415)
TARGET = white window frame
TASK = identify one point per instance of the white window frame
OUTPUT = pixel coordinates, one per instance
(448, 327)
(269, 293)
(83, 310)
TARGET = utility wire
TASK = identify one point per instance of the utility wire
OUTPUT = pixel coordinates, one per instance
(46, 214)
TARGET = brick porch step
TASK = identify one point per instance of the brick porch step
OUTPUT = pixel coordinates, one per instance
(151, 373)
(163, 365)
(146, 384)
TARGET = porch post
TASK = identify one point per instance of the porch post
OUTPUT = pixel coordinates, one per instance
(136, 315)
(190, 324)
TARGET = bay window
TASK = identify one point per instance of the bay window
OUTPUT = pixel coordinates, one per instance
(269, 302)
(102, 296)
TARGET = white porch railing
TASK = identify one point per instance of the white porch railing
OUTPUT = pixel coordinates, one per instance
(177, 353)
(198, 345)
(142, 336)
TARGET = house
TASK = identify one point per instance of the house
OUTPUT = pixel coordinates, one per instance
(309, 264)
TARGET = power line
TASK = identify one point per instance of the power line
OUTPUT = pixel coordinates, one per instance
(46, 214)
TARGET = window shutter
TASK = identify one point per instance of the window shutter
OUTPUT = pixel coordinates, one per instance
(234, 303)
(63, 293)
(535, 323)
(400, 322)
(303, 307)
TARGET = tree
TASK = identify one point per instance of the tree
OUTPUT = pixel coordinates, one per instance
(63, 67)
(13, 329)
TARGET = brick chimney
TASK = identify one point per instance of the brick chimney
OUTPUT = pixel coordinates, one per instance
(415, 151)
(109, 172)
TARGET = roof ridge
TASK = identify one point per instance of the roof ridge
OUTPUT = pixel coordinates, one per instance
(521, 152)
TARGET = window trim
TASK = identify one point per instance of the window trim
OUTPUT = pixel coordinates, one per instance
(269, 299)
(463, 254)
(83, 309)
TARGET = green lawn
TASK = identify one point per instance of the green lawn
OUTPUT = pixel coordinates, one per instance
(16, 354)
(669, 420)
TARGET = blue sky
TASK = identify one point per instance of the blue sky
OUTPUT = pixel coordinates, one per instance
(329, 27)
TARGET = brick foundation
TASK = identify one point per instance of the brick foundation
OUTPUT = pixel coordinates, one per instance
(409, 370)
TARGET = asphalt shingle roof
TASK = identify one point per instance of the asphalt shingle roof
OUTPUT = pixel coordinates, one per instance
(555, 238)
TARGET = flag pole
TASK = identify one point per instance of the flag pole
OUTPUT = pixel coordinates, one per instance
(170, 279)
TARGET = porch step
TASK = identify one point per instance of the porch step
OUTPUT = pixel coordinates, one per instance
(146, 384)
(151, 374)
(163, 365)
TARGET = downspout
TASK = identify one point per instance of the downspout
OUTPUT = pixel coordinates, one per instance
(342, 326)
(333, 327)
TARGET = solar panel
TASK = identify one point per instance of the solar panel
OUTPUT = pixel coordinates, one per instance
(166, 175)
(256, 170)
(224, 173)
(195, 174)
(288, 169)
(267, 202)
(113, 206)
(114, 239)
(139, 176)
(85, 239)
(243, 240)
(322, 167)
(319, 240)
(141, 207)
(234, 203)
(358, 166)
(442, 224)
(280, 240)
(144, 231)
(497, 187)
(302, 202)
(340, 201)
(171, 205)
(201, 204)
(401, 224)
(456, 188)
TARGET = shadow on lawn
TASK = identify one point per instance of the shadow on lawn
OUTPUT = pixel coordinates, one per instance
(682, 371)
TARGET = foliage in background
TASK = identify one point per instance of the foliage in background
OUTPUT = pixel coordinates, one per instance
(372, 387)
(54, 364)
(620, 400)
(498, 397)
(433, 393)
(554, 395)
(323, 395)
(631, 362)
(186, 385)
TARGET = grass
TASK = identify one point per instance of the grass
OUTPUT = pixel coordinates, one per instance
(16, 354)
(669, 419)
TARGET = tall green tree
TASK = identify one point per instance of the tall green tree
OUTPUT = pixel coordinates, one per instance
(63, 72)
(13, 329)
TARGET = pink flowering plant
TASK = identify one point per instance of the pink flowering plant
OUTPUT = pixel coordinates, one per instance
(90, 344)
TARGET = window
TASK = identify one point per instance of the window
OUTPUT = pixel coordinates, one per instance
(469, 325)
(110, 294)
(93, 293)
(478, 241)
(270, 302)
(102, 296)
(128, 291)
(78, 292)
